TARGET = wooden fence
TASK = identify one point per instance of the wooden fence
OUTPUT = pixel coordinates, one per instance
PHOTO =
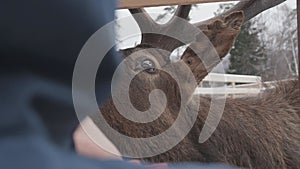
(234, 85)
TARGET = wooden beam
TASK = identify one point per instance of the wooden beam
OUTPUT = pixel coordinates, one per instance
(123, 4)
(226, 91)
(219, 77)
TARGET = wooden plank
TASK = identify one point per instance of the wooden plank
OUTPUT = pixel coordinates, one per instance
(123, 4)
(269, 84)
(226, 91)
(217, 77)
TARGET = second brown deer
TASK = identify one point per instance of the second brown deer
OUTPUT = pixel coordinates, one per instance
(260, 132)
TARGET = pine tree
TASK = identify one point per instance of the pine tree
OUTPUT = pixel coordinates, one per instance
(247, 56)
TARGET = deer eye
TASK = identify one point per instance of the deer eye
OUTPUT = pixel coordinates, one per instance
(149, 66)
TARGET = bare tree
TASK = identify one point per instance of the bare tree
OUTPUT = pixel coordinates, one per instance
(281, 43)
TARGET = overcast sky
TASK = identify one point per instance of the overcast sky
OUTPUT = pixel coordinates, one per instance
(128, 32)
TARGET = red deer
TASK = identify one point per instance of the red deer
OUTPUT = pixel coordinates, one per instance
(260, 132)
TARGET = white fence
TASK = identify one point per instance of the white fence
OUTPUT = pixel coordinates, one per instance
(250, 85)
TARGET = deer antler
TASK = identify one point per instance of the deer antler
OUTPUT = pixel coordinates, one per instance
(143, 19)
(147, 24)
(182, 11)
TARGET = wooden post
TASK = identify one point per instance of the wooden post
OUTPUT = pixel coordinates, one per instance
(298, 26)
(233, 86)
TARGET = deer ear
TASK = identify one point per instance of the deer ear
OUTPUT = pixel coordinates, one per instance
(223, 32)
(235, 20)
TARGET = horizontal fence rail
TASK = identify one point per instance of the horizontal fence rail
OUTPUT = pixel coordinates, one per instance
(250, 85)
(123, 4)
(227, 91)
(218, 77)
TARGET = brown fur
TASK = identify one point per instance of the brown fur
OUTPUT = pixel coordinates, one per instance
(256, 133)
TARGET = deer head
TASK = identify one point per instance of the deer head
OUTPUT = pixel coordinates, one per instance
(154, 51)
